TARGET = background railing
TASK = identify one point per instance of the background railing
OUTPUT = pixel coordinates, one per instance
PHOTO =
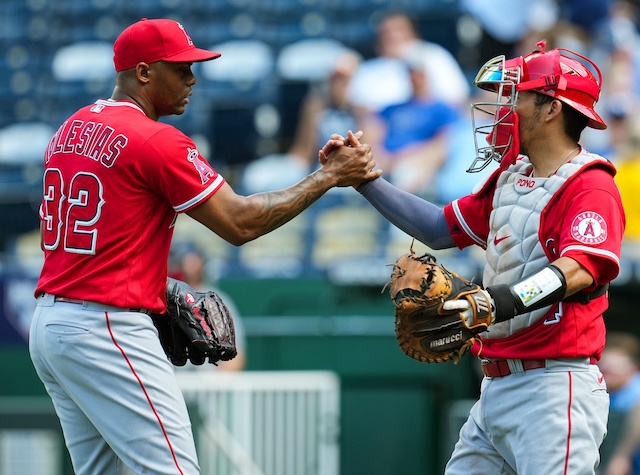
(265, 423)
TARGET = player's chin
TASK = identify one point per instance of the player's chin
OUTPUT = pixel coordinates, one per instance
(179, 109)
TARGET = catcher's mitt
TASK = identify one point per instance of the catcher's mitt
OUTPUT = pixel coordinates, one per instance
(196, 326)
(425, 330)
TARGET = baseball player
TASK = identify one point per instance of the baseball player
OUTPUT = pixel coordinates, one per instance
(114, 180)
(551, 221)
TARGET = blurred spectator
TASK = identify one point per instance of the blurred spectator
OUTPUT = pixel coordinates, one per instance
(325, 110)
(586, 14)
(628, 180)
(504, 23)
(189, 265)
(409, 138)
(625, 459)
(620, 366)
(384, 80)
(617, 42)
(622, 102)
(452, 180)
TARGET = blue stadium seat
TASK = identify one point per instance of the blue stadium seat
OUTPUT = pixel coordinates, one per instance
(80, 73)
(233, 88)
(14, 18)
(243, 73)
(310, 59)
(22, 147)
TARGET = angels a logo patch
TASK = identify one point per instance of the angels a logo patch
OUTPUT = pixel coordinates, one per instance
(203, 168)
(589, 228)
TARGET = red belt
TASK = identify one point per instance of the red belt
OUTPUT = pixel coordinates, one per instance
(500, 368)
(57, 298)
(497, 369)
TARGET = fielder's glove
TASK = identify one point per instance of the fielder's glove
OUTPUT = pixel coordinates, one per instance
(438, 313)
(196, 326)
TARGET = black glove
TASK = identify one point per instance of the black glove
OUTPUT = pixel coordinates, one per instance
(196, 326)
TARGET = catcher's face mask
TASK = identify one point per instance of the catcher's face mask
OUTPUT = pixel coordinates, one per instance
(560, 73)
(495, 122)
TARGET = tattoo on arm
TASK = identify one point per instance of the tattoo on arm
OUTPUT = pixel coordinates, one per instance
(279, 207)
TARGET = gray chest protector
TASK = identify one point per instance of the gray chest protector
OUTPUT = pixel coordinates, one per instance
(514, 247)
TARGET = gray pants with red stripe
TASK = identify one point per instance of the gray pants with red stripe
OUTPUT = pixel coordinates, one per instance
(543, 421)
(113, 389)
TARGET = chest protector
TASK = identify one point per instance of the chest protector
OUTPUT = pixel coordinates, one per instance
(518, 203)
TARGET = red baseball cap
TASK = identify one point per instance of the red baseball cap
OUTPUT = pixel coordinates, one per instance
(149, 41)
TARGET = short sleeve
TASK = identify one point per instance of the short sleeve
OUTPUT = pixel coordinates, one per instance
(593, 224)
(176, 170)
(468, 217)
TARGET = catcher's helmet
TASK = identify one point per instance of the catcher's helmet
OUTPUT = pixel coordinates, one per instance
(560, 73)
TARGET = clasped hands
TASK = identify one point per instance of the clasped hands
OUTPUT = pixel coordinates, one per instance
(353, 160)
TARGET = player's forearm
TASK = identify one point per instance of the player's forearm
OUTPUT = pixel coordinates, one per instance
(266, 211)
(559, 280)
(415, 216)
(239, 219)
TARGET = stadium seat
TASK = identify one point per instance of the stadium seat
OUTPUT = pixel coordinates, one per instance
(243, 71)
(272, 172)
(345, 232)
(22, 147)
(24, 143)
(80, 73)
(231, 90)
(281, 253)
(84, 61)
(310, 59)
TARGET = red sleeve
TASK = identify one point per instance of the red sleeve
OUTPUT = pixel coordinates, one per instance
(468, 217)
(179, 172)
(588, 222)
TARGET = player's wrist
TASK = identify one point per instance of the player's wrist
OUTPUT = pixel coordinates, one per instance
(538, 290)
(325, 179)
(482, 310)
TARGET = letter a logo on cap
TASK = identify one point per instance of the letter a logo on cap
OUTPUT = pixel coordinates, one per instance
(189, 40)
(160, 39)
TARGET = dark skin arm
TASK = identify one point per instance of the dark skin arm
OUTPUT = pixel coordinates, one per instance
(162, 89)
(239, 219)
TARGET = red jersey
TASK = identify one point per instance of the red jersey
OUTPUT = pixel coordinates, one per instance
(114, 181)
(584, 220)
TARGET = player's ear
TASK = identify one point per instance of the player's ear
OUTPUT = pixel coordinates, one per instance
(555, 108)
(142, 72)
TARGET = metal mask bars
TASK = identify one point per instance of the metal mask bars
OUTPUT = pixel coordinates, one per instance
(493, 121)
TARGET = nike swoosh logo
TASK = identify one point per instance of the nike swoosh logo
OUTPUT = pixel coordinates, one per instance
(497, 240)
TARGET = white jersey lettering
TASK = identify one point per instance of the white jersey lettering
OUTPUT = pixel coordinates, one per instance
(88, 139)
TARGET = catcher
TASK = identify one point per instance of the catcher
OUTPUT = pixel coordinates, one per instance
(551, 222)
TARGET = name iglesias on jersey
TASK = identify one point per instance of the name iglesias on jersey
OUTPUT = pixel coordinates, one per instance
(90, 139)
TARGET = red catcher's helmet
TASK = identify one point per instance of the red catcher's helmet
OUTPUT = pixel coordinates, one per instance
(553, 73)
(562, 77)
